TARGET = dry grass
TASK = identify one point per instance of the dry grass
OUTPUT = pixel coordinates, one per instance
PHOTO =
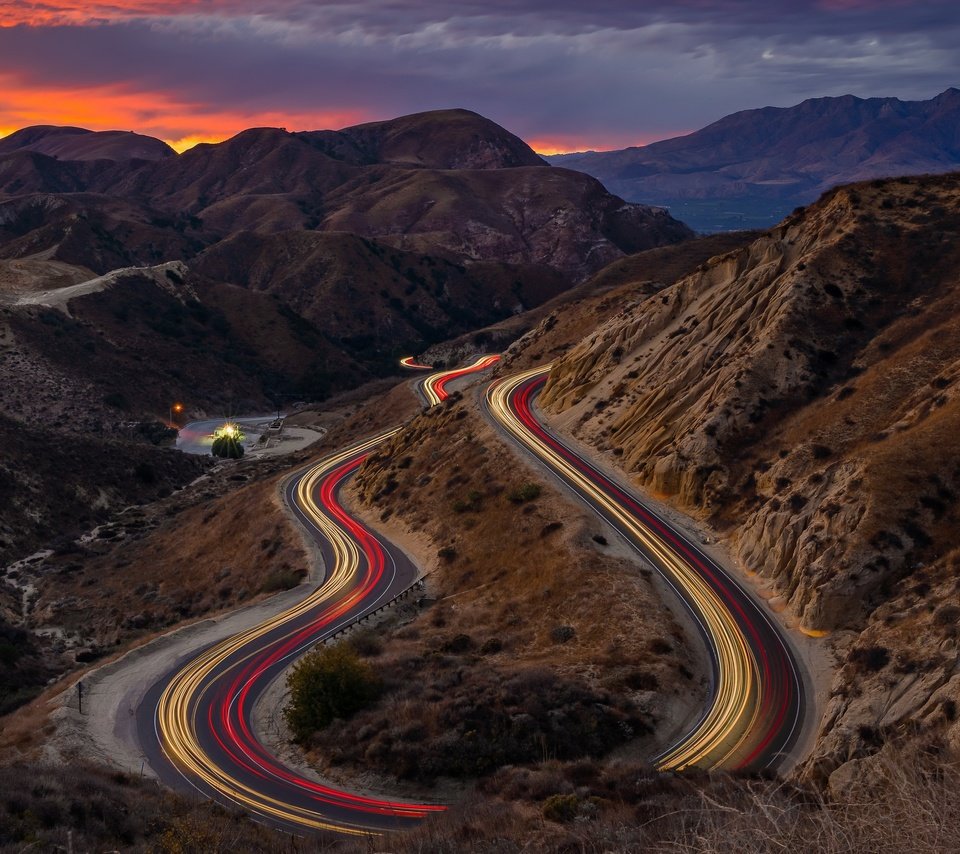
(909, 805)
(203, 551)
(88, 808)
(542, 643)
(208, 558)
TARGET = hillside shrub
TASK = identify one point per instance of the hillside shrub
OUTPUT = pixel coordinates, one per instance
(227, 447)
(870, 659)
(525, 492)
(560, 808)
(326, 684)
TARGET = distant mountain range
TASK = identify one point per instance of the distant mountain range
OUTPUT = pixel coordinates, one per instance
(752, 168)
(307, 262)
(448, 183)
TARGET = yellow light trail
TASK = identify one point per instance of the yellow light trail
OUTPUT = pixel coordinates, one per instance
(176, 711)
(434, 385)
(723, 730)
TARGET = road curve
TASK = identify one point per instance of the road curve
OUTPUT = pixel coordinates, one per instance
(195, 724)
(434, 387)
(755, 706)
(409, 362)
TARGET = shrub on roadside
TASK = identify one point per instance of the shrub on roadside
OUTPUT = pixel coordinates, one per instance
(326, 684)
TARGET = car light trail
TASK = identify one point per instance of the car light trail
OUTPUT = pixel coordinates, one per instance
(755, 706)
(198, 728)
(195, 725)
(434, 387)
(408, 362)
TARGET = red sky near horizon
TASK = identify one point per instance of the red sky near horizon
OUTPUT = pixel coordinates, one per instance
(563, 75)
(165, 115)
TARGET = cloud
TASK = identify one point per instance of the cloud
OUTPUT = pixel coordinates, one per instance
(600, 74)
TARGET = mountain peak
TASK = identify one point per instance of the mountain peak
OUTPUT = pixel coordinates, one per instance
(751, 168)
(442, 139)
(74, 143)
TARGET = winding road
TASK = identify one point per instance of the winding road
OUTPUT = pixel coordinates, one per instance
(434, 387)
(195, 725)
(755, 709)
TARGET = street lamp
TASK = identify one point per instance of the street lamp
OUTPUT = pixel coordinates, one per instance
(175, 409)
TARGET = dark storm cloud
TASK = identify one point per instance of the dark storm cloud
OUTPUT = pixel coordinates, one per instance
(605, 70)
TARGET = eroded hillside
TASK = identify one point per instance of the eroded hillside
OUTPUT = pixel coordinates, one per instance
(801, 394)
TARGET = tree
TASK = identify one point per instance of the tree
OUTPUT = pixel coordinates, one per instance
(227, 447)
(328, 683)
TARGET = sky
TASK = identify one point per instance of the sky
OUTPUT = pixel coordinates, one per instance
(564, 75)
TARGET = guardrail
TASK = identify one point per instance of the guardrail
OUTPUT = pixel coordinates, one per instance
(403, 594)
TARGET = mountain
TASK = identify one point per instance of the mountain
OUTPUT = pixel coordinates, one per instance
(751, 168)
(802, 394)
(448, 183)
(364, 294)
(440, 139)
(357, 246)
(69, 143)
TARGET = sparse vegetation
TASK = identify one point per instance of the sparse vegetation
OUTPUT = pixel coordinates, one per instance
(284, 578)
(525, 492)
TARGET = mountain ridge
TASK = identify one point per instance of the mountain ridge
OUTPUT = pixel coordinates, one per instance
(75, 143)
(449, 183)
(767, 161)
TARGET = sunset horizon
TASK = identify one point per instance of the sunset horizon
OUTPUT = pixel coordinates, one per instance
(181, 144)
(562, 77)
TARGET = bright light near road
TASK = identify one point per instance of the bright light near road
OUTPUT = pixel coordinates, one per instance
(229, 431)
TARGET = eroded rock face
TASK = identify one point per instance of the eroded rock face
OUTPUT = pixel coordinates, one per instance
(804, 394)
(790, 385)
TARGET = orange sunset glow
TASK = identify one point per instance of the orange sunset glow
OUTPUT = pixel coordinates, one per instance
(178, 122)
(69, 12)
(183, 124)
(596, 142)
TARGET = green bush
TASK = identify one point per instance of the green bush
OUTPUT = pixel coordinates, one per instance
(328, 683)
(560, 808)
(227, 447)
(525, 492)
(281, 579)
